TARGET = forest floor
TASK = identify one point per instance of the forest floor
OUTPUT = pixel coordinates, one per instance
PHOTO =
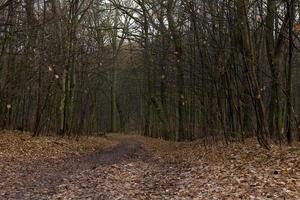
(134, 167)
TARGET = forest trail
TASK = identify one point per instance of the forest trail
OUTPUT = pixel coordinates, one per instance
(125, 170)
(48, 178)
(133, 167)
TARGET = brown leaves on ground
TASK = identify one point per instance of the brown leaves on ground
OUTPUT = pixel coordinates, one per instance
(22, 146)
(143, 168)
(244, 171)
(31, 168)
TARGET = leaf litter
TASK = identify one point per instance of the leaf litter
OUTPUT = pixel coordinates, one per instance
(134, 167)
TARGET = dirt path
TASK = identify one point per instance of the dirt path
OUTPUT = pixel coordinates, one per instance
(100, 175)
(128, 171)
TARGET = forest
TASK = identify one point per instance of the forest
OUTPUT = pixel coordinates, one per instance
(149, 99)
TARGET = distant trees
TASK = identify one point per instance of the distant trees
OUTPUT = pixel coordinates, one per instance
(56, 63)
(214, 56)
(174, 69)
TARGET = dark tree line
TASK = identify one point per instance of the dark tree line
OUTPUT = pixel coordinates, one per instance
(174, 69)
